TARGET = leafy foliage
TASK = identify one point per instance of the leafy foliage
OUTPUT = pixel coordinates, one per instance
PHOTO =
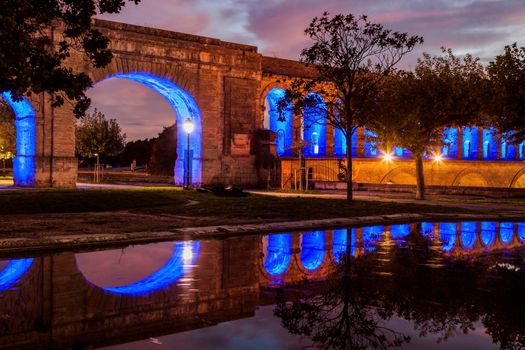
(97, 135)
(443, 92)
(139, 150)
(164, 153)
(7, 131)
(352, 56)
(36, 40)
(506, 93)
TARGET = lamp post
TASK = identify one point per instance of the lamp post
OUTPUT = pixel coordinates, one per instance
(188, 128)
(97, 170)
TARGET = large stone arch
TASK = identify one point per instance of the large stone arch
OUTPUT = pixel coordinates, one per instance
(518, 181)
(175, 85)
(471, 178)
(402, 175)
(272, 119)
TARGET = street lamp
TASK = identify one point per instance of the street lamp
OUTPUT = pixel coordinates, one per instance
(188, 128)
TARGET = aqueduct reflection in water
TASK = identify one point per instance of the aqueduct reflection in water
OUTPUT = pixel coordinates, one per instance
(105, 297)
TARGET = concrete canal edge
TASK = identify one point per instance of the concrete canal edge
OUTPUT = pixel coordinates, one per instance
(50, 243)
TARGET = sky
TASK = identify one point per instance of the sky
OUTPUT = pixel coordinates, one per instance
(479, 27)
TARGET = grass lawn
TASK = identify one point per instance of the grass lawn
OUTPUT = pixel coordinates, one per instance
(36, 212)
(191, 203)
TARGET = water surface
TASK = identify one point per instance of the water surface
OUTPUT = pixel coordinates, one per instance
(444, 285)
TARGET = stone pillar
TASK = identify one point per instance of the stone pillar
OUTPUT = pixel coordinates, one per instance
(480, 143)
(361, 142)
(329, 140)
(55, 162)
(460, 143)
(499, 145)
(297, 127)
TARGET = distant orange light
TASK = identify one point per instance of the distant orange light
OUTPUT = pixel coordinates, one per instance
(438, 158)
(388, 157)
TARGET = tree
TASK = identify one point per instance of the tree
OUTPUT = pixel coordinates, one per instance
(97, 135)
(504, 102)
(352, 56)
(139, 150)
(414, 109)
(36, 39)
(7, 134)
(164, 152)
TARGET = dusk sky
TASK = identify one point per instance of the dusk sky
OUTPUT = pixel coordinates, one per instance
(480, 27)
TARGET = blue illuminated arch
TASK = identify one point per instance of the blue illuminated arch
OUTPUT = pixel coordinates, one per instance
(340, 143)
(340, 243)
(506, 232)
(278, 253)
(312, 249)
(370, 146)
(184, 256)
(282, 125)
(24, 161)
(447, 235)
(11, 274)
(314, 132)
(490, 145)
(185, 107)
(470, 142)
(468, 233)
(399, 231)
(488, 233)
(450, 141)
(372, 234)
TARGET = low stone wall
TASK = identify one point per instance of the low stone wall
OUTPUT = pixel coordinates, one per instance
(125, 177)
(493, 192)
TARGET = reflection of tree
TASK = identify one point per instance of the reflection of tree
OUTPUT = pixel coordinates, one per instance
(342, 315)
(414, 281)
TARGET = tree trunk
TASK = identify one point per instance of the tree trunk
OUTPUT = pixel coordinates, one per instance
(349, 190)
(420, 177)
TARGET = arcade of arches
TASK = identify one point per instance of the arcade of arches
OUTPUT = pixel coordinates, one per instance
(230, 92)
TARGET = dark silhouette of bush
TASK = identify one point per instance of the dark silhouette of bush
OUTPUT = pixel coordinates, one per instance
(164, 152)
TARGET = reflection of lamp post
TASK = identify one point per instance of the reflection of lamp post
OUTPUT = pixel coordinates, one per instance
(188, 127)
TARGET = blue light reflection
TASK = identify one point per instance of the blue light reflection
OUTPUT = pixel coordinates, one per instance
(182, 260)
(427, 229)
(12, 272)
(371, 235)
(468, 233)
(447, 235)
(399, 231)
(340, 243)
(488, 233)
(278, 253)
(506, 232)
(312, 249)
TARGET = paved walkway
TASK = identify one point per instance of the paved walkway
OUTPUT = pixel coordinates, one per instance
(502, 207)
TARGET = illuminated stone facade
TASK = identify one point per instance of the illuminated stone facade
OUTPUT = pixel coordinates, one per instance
(229, 91)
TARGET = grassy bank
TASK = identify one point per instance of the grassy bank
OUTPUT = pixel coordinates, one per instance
(38, 212)
(191, 203)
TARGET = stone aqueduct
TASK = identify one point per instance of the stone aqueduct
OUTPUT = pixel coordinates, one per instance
(226, 89)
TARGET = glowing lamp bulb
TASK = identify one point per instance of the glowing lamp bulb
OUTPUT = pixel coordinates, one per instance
(188, 126)
(387, 157)
(438, 158)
